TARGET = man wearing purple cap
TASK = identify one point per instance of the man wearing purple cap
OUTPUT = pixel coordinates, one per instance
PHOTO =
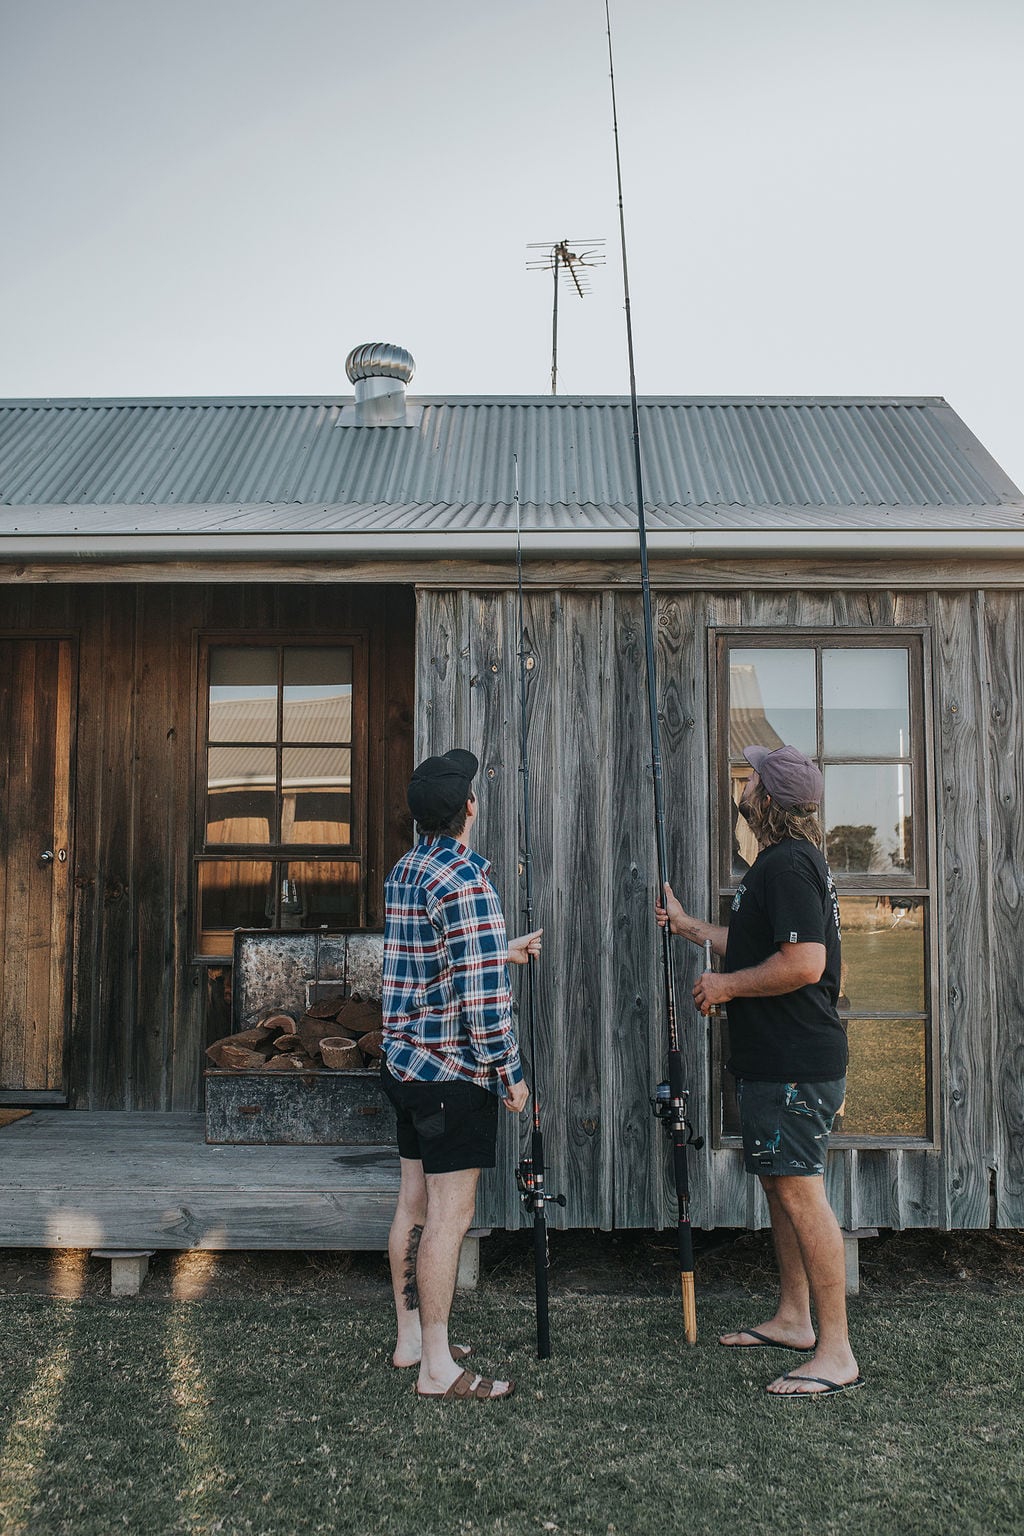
(789, 1057)
(450, 1055)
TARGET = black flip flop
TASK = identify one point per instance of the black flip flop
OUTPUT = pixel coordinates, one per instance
(829, 1388)
(764, 1342)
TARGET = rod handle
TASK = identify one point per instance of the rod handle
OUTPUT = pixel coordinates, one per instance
(709, 965)
(689, 1307)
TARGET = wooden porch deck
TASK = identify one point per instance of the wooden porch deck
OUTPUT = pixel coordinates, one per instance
(80, 1179)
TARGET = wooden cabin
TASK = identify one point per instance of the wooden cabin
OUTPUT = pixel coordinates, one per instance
(230, 627)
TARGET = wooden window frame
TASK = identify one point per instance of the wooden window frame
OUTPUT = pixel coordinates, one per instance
(920, 881)
(356, 850)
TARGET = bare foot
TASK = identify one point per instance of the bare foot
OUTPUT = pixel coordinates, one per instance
(406, 1356)
(819, 1375)
(784, 1332)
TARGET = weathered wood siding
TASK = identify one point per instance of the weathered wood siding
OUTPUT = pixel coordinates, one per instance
(600, 1039)
(140, 1016)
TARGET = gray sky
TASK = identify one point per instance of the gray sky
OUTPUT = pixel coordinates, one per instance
(224, 196)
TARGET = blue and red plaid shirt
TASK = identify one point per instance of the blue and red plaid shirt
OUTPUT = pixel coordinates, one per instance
(446, 997)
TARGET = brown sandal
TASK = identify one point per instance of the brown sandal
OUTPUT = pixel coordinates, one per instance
(466, 1386)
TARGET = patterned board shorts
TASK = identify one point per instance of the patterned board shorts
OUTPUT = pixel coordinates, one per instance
(786, 1126)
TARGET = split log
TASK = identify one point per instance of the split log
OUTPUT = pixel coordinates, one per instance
(311, 1031)
(290, 1043)
(280, 1023)
(252, 1038)
(341, 1054)
(329, 1008)
(235, 1058)
(372, 1045)
(293, 1062)
(358, 1019)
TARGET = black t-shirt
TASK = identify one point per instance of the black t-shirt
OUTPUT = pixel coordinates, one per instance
(787, 896)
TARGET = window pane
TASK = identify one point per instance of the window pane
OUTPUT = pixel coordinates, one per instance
(771, 700)
(233, 893)
(316, 787)
(241, 796)
(886, 1081)
(243, 694)
(744, 843)
(316, 895)
(868, 818)
(866, 703)
(318, 694)
(883, 954)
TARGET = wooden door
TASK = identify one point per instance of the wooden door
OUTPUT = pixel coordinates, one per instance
(36, 679)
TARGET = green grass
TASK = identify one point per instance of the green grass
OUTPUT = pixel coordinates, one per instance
(282, 1416)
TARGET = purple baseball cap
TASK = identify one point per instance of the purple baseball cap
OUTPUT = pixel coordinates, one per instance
(791, 779)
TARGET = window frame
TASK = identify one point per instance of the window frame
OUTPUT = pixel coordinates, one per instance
(921, 881)
(356, 850)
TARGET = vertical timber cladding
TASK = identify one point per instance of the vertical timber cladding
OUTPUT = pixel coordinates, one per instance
(1003, 618)
(600, 1019)
(600, 1031)
(139, 1003)
(36, 724)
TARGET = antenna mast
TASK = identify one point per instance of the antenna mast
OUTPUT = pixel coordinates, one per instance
(575, 266)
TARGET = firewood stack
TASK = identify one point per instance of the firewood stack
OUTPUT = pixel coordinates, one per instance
(338, 1034)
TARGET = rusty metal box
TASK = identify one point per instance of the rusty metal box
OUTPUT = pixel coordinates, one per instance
(296, 1109)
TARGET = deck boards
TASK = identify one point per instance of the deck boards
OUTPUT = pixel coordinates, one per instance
(80, 1179)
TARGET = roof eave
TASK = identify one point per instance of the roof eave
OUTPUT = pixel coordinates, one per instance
(500, 544)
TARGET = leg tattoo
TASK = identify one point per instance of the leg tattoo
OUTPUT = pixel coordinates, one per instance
(409, 1291)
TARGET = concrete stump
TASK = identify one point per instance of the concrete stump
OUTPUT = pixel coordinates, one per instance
(128, 1268)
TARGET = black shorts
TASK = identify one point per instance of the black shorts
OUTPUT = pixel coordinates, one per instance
(444, 1126)
(786, 1126)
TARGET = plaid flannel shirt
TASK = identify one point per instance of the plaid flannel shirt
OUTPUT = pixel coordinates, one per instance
(446, 996)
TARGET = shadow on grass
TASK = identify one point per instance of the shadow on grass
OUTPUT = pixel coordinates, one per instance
(283, 1416)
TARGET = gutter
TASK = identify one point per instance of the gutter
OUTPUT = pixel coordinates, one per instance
(498, 545)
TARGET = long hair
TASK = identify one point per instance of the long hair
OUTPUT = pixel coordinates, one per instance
(770, 822)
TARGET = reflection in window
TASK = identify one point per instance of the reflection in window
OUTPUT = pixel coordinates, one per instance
(887, 1079)
(865, 703)
(771, 700)
(319, 895)
(243, 694)
(317, 694)
(850, 707)
(744, 843)
(278, 778)
(316, 784)
(883, 954)
(233, 893)
(868, 818)
(241, 798)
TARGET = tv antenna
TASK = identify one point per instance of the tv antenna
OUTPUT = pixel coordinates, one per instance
(572, 264)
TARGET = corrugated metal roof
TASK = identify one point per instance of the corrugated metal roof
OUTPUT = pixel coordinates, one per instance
(233, 461)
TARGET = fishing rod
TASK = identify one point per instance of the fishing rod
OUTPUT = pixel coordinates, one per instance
(671, 1099)
(530, 1172)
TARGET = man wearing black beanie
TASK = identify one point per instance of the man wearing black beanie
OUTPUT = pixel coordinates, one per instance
(450, 1055)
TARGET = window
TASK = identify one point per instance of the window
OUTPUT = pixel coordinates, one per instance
(854, 704)
(281, 804)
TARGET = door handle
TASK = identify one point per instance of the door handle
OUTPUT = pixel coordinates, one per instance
(46, 857)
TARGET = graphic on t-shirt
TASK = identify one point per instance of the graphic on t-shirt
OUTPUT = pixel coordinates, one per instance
(834, 898)
(738, 897)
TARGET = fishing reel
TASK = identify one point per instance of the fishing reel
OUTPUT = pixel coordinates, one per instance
(672, 1114)
(530, 1184)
